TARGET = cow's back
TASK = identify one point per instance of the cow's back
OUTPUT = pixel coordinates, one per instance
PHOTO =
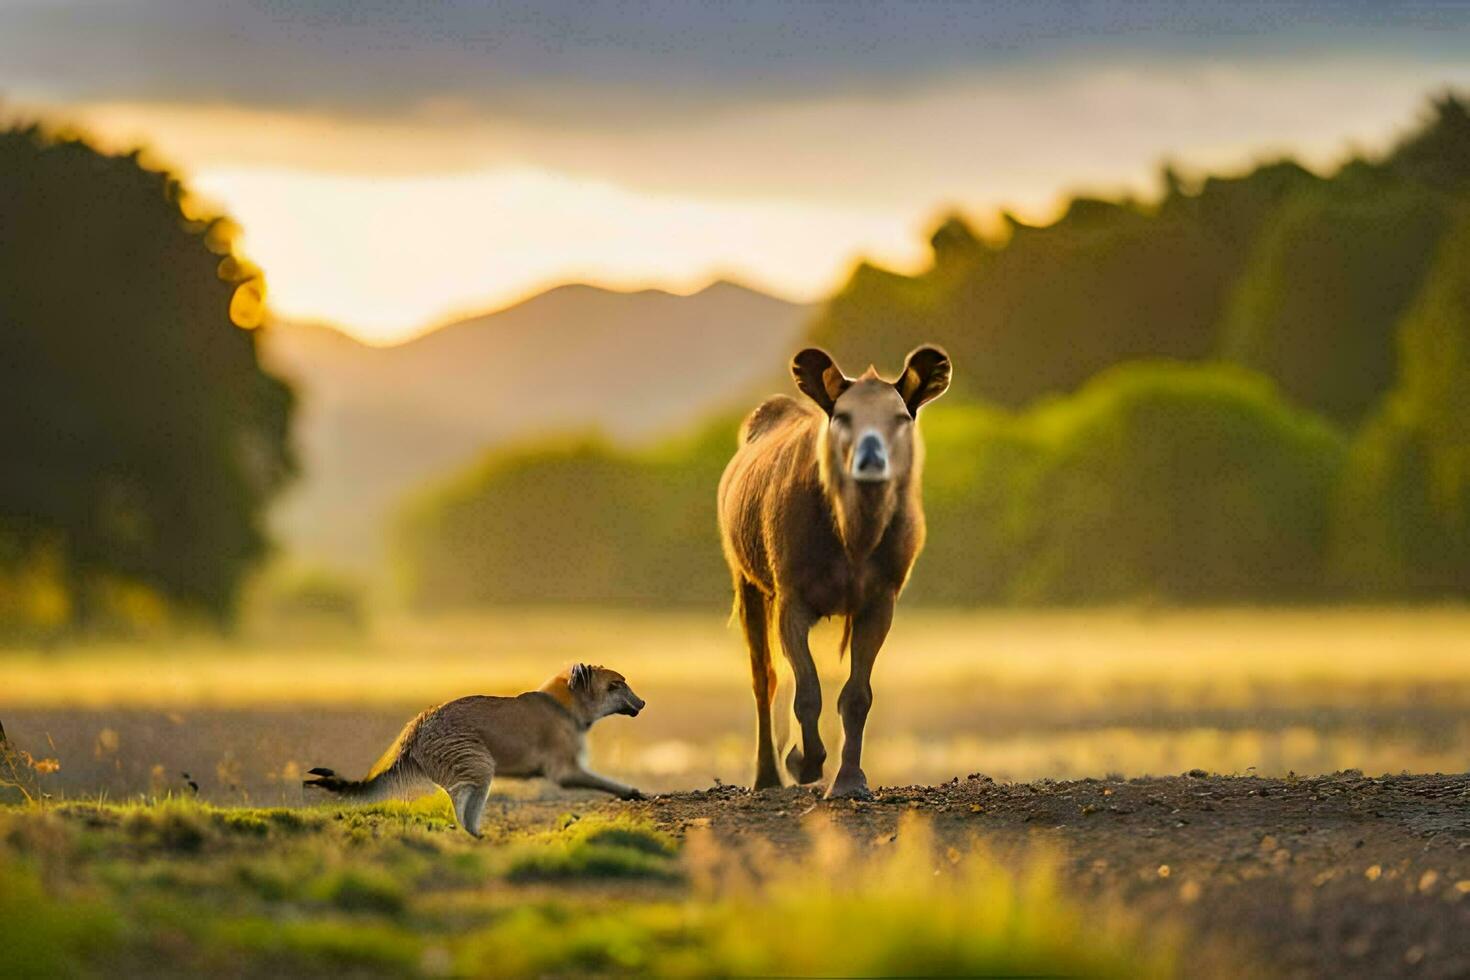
(774, 469)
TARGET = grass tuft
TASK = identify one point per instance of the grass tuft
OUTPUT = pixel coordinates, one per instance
(171, 825)
(248, 822)
(595, 847)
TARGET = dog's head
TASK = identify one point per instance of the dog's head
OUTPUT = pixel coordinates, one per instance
(602, 691)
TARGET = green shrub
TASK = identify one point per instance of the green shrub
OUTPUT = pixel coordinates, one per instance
(573, 521)
(982, 463)
(1181, 482)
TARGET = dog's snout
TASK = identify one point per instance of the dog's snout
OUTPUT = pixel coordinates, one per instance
(870, 458)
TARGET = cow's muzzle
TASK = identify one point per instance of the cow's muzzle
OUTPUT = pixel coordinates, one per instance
(870, 458)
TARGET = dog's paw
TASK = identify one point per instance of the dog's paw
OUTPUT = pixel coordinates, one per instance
(632, 794)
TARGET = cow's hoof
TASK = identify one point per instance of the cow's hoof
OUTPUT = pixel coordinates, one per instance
(793, 763)
(804, 771)
(768, 779)
(850, 785)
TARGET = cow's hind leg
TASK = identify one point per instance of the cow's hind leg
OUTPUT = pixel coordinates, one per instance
(755, 619)
(796, 622)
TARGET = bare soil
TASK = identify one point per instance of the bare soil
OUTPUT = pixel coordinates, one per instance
(1340, 875)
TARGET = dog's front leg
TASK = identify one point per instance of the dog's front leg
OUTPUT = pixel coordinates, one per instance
(582, 779)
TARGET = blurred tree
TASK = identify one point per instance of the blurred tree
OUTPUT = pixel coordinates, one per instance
(1047, 307)
(1403, 525)
(1183, 482)
(1438, 152)
(138, 434)
(1326, 285)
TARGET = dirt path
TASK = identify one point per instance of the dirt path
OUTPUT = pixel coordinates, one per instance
(1333, 876)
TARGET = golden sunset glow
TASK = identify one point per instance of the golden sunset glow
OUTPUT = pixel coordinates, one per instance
(390, 255)
(388, 225)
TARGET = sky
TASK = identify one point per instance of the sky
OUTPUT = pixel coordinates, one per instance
(395, 164)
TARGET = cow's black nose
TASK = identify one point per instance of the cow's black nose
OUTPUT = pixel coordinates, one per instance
(870, 456)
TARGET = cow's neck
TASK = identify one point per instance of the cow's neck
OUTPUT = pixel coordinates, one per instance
(862, 513)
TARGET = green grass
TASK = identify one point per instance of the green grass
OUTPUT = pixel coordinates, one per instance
(594, 848)
(42, 936)
(902, 912)
(176, 887)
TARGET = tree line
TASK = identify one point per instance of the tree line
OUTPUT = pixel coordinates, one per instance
(1248, 389)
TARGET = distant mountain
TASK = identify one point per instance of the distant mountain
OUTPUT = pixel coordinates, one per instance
(376, 422)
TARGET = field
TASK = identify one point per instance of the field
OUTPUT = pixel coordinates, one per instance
(1116, 792)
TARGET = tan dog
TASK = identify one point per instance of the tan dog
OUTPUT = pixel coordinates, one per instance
(462, 745)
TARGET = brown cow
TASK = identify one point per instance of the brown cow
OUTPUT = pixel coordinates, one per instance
(820, 515)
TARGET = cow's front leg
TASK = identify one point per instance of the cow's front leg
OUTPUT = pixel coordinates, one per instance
(795, 623)
(869, 629)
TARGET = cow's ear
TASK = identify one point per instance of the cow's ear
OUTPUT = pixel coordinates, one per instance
(819, 377)
(580, 678)
(925, 377)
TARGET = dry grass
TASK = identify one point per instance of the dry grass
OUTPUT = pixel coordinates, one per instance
(1012, 694)
(1233, 651)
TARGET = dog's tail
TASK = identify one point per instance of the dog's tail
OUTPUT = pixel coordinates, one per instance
(394, 781)
(395, 774)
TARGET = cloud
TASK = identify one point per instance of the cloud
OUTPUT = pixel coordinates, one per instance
(630, 62)
(1013, 138)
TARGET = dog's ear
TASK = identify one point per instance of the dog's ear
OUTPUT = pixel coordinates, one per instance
(580, 678)
(819, 377)
(925, 377)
